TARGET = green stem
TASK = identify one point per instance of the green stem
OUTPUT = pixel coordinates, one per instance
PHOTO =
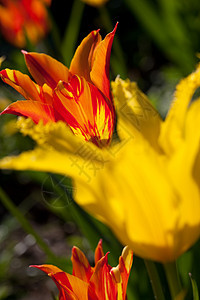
(119, 63)
(173, 279)
(155, 280)
(25, 223)
(72, 31)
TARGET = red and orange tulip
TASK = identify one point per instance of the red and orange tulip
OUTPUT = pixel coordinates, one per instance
(101, 282)
(31, 20)
(79, 96)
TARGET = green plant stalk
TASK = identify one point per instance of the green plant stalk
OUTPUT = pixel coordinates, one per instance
(154, 279)
(12, 208)
(72, 31)
(194, 288)
(173, 279)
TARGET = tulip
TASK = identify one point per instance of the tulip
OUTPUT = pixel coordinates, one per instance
(30, 20)
(79, 96)
(98, 282)
(145, 185)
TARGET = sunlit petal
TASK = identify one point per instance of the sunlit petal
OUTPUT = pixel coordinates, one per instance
(31, 109)
(82, 61)
(45, 69)
(21, 83)
(81, 266)
(85, 109)
(101, 63)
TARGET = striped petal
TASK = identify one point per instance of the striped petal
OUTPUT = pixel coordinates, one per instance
(101, 64)
(45, 69)
(31, 109)
(21, 83)
(70, 287)
(75, 288)
(61, 280)
(81, 266)
(122, 271)
(101, 283)
(85, 110)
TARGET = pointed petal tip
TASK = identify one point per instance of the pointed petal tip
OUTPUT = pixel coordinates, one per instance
(95, 33)
(100, 243)
(3, 73)
(106, 256)
(74, 249)
(116, 25)
(24, 52)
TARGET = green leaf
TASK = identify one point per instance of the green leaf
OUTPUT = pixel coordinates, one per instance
(194, 288)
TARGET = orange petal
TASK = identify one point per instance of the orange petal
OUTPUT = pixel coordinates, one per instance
(98, 252)
(122, 271)
(45, 69)
(21, 83)
(81, 266)
(101, 67)
(101, 283)
(85, 110)
(47, 94)
(35, 110)
(75, 288)
(48, 269)
(82, 61)
(125, 264)
(64, 293)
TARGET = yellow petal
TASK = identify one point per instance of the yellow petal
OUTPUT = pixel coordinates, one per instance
(172, 130)
(137, 119)
(59, 151)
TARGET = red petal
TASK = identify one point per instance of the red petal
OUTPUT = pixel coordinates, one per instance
(35, 110)
(74, 287)
(98, 252)
(101, 67)
(81, 266)
(45, 69)
(101, 283)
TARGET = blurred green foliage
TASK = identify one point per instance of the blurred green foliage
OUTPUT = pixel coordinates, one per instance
(156, 44)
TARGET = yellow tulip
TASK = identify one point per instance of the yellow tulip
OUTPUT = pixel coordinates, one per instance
(145, 186)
